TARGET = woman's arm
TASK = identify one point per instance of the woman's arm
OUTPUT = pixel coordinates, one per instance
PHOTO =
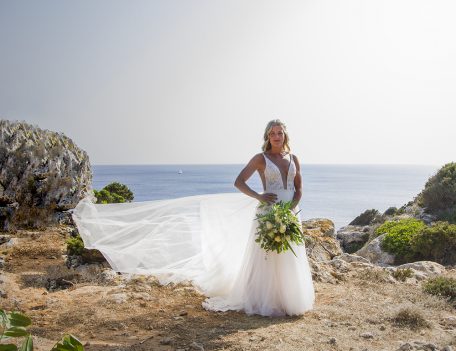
(297, 183)
(240, 182)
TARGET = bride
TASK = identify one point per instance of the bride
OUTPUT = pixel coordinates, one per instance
(209, 240)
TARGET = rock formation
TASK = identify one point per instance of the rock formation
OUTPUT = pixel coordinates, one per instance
(42, 174)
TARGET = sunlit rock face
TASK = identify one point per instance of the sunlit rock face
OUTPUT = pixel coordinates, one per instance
(42, 174)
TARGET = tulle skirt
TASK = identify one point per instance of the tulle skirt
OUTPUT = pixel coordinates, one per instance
(207, 240)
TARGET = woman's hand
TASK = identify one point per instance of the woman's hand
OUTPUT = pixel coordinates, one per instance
(267, 197)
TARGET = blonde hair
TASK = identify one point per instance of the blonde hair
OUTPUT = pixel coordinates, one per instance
(275, 122)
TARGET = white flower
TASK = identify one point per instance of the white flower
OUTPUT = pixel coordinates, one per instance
(268, 225)
(277, 238)
(283, 228)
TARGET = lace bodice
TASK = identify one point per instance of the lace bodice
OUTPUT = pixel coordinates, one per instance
(273, 177)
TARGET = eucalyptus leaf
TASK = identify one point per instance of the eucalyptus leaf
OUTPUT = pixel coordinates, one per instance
(27, 345)
(3, 317)
(18, 319)
(8, 347)
(16, 332)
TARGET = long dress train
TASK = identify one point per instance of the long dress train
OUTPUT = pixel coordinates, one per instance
(207, 240)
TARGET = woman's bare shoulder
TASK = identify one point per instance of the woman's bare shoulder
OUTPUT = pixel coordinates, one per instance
(257, 160)
(296, 160)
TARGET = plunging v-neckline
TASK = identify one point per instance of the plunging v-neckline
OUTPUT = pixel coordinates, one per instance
(288, 171)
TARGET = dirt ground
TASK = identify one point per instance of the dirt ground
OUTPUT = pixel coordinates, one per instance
(107, 311)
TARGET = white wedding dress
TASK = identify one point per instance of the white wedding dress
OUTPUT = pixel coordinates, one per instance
(207, 240)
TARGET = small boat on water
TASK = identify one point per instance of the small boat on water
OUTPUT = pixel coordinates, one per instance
(180, 171)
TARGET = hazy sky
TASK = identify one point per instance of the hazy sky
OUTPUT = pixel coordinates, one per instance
(192, 81)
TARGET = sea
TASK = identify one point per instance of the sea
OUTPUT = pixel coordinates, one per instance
(337, 192)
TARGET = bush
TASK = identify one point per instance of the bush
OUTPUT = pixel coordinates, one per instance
(75, 245)
(441, 286)
(439, 193)
(436, 243)
(402, 274)
(367, 217)
(448, 215)
(114, 193)
(391, 211)
(410, 318)
(398, 236)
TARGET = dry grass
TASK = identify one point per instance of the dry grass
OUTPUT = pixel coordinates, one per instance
(139, 314)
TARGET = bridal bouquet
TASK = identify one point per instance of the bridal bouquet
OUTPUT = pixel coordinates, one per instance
(278, 228)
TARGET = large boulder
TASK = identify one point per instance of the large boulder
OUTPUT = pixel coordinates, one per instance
(353, 237)
(42, 174)
(321, 244)
(374, 253)
(324, 225)
(424, 269)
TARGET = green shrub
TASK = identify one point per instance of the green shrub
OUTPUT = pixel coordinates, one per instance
(114, 193)
(439, 192)
(398, 236)
(391, 211)
(402, 274)
(436, 243)
(441, 286)
(410, 318)
(367, 217)
(448, 215)
(75, 245)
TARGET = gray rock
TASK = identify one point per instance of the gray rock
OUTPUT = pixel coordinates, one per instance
(351, 258)
(196, 346)
(405, 347)
(340, 265)
(428, 347)
(447, 348)
(321, 272)
(119, 298)
(367, 335)
(326, 226)
(12, 242)
(42, 174)
(166, 341)
(321, 246)
(352, 238)
(4, 238)
(2, 262)
(426, 268)
(374, 253)
(449, 322)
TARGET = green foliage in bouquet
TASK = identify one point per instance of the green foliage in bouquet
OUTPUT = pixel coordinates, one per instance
(14, 325)
(398, 236)
(114, 193)
(278, 228)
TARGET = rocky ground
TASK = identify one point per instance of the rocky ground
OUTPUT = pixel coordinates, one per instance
(358, 307)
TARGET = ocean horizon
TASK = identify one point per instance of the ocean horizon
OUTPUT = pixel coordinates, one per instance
(339, 192)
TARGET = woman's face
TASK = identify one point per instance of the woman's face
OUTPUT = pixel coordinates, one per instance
(277, 136)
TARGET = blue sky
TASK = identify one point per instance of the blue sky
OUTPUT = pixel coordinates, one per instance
(143, 82)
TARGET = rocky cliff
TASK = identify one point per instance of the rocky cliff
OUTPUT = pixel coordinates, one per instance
(42, 174)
